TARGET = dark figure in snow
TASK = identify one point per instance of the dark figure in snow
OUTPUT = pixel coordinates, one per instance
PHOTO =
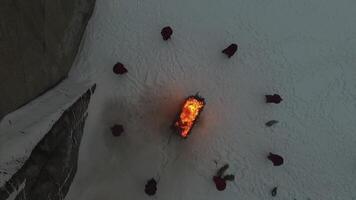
(230, 50)
(277, 160)
(166, 33)
(119, 68)
(220, 183)
(117, 130)
(220, 179)
(151, 187)
(274, 192)
(271, 123)
(275, 98)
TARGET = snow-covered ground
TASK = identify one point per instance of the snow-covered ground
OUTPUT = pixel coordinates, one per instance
(304, 50)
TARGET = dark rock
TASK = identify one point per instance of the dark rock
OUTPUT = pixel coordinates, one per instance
(38, 44)
(151, 187)
(271, 123)
(274, 192)
(166, 32)
(117, 130)
(277, 160)
(51, 167)
(230, 50)
(119, 68)
(275, 98)
(220, 183)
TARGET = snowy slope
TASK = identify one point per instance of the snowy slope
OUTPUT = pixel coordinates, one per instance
(305, 50)
(22, 129)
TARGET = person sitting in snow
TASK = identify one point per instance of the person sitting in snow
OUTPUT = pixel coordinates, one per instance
(276, 159)
(117, 130)
(166, 33)
(119, 69)
(275, 98)
(151, 187)
(230, 50)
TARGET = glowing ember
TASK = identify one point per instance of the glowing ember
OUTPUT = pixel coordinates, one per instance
(192, 107)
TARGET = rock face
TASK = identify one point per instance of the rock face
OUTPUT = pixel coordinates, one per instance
(38, 43)
(52, 164)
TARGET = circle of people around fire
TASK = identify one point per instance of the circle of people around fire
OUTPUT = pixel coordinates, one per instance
(187, 118)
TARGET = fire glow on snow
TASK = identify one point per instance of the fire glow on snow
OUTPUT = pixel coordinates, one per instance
(191, 109)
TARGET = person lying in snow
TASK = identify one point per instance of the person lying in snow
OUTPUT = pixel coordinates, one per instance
(220, 179)
(275, 98)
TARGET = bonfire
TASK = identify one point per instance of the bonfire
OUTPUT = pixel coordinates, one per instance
(189, 114)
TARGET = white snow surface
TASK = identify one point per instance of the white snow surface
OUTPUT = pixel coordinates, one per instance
(304, 50)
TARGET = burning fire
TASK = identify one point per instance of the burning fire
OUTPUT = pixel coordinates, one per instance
(192, 107)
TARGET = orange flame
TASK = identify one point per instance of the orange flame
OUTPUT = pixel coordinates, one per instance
(191, 109)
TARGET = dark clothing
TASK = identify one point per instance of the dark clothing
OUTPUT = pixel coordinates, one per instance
(119, 68)
(273, 99)
(151, 187)
(117, 130)
(230, 50)
(166, 33)
(277, 160)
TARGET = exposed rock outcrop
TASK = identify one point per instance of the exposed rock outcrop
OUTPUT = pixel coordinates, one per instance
(52, 164)
(39, 40)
